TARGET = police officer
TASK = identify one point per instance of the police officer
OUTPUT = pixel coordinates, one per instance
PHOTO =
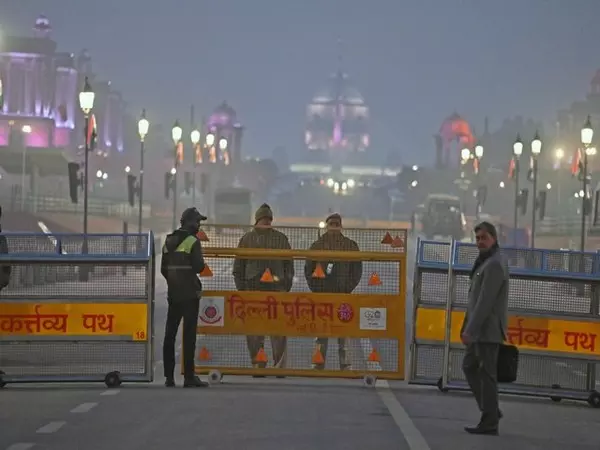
(248, 273)
(182, 261)
(338, 277)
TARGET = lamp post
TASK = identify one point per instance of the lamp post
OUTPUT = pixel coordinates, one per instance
(587, 134)
(517, 152)
(195, 138)
(477, 163)
(143, 126)
(536, 149)
(86, 103)
(176, 134)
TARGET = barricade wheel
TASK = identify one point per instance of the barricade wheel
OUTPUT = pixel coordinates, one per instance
(215, 377)
(369, 380)
(594, 400)
(112, 379)
(555, 398)
(2, 383)
(439, 386)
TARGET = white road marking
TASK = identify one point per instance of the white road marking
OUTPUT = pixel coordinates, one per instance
(51, 427)
(411, 433)
(110, 392)
(21, 446)
(84, 407)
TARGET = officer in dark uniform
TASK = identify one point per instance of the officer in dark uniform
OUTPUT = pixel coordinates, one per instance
(5, 270)
(182, 261)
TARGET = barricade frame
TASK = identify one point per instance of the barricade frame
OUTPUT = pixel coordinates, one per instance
(590, 276)
(143, 258)
(374, 371)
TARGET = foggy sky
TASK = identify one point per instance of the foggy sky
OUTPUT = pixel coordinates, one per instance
(414, 61)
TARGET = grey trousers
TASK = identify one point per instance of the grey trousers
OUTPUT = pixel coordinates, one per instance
(480, 367)
(343, 352)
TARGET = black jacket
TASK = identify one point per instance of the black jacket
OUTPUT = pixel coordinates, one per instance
(5, 269)
(182, 261)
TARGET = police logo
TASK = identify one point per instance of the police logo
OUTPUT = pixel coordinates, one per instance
(211, 312)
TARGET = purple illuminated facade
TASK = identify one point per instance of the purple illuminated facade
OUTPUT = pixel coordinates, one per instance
(223, 123)
(337, 118)
(40, 89)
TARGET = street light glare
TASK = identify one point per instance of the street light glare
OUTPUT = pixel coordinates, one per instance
(321, 224)
(127, 169)
(210, 139)
(104, 176)
(330, 182)
(99, 174)
(173, 171)
(26, 129)
(587, 132)
(536, 144)
(351, 183)
(502, 184)
(195, 137)
(176, 133)
(415, 168)
(560, 153)
(518, 146)
(479, 151)
(549, 186)
(590, 151)
(143, 125)
(223, 144)
(414, 183)
(465, 153)
(86, 97)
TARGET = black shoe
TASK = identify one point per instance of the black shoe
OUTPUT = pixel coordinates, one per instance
(194, 382)
(483, 429)
(280, 376)
(259, 376)
(169, 382)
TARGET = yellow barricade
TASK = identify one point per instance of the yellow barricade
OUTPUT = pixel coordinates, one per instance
(310, 334)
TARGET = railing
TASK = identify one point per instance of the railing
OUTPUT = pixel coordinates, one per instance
(96, 206)
(554, 319)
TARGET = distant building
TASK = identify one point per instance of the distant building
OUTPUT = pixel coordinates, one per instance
(41, 123)
(223, 123)
(337, 118)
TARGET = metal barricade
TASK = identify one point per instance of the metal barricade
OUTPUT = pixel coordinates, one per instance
(553, 319)
(56, 328)
(312, 334)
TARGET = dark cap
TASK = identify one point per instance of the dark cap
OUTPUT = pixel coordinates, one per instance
(263, 211)
(191, 216)
(334, 216)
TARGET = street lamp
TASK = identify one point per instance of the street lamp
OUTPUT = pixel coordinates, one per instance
(536, 149)
(210, 139)
(517, 152)
(479, 193)
(465, 154)
(176, 134)
(587, 134)
(143, 127)
(223, 144)
(86, 103)
(479, 151)
(195, 138)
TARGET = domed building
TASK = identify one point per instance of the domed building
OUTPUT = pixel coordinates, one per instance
(337, 117)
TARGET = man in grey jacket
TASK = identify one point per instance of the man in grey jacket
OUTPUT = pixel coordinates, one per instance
(485, 327)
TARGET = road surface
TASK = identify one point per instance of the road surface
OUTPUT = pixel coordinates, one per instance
(269, 414)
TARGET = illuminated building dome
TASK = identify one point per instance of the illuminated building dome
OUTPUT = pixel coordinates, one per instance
(42, 27)
(337, 117)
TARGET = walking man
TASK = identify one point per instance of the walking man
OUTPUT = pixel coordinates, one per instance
(485, 327)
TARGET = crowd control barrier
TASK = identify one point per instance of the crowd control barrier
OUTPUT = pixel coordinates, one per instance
(554, 319)
(62, 328)
(308, 334)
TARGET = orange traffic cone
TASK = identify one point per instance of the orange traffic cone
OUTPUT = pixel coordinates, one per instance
(387, 239)
(267, 277)
(374, 356)
(204, 354)
(318, 272)
(374, 280)
(317, 357)
(206, 272)
(261, 356)
(397, 242)
(201, 235)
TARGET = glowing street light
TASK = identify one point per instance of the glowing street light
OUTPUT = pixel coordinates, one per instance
(143, 126)
(176, 133)
(210, 139)
(223, 144)
(195, 137)
(465, 154)
(479, 151)
(518, 147)
(330, 182)
(587, 132)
